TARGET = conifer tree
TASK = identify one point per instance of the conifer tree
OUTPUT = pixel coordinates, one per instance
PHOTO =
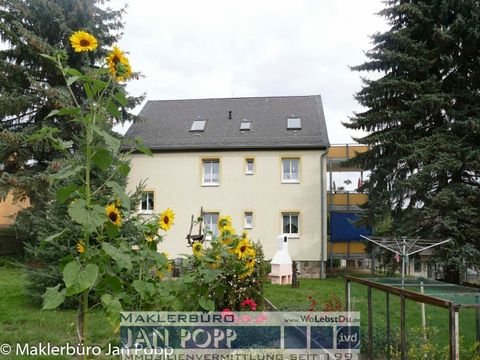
(31, 87)
(423, 122)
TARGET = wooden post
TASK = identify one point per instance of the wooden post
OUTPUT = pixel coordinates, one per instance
(387, 297)
(403, 348)
(477, 322)
(347, 295)
(454, 338)
(370, 324)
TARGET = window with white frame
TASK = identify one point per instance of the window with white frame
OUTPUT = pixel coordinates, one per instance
(290, 170)
(147, 203)
(198, 125)
(210, 221)
(294, 123)
(248, 220)
(211, 171)
(249, 166)
(290, 223)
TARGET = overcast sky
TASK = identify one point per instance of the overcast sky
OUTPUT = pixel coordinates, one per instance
(222, 48)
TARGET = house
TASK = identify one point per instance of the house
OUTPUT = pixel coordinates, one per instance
(261, 160)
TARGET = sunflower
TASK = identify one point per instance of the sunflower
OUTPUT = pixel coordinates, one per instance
(81, 247)
(246, 273)
(83, 41)
(166, 219)
(119, 65)
(244, 249)
(149, 237)
(224, 222)
(113, 214)
(197, 248)
(250, 262)
(227, 230)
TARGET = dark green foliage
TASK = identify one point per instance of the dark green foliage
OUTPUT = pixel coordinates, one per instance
(423, 119)
(31, 86)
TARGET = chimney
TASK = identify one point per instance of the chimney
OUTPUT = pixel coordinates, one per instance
(230, 115)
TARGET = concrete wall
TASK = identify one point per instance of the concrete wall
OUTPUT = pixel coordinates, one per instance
(176, 179)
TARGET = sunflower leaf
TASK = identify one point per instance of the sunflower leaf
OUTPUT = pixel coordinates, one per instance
(110, 140)
(113, 110)
(77, 279)
(122, 259)
(89, 217)
(53, 298)
(64, 192)
(119, 193)
(141, 147)
(112, 307)
(72, 79)
(102, 158)
(206, 304)
(121, 98)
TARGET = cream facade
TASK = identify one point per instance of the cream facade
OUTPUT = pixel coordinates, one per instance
(256, 196)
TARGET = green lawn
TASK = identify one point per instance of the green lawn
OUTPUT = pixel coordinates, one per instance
(23, 323)
(287, 298)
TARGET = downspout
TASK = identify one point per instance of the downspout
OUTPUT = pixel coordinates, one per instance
(322, 214)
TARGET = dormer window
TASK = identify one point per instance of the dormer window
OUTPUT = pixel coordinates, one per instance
(245, 125)
(294, 123)
(198, 125)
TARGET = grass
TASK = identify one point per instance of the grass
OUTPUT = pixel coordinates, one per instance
(22, 323)
(288, 299)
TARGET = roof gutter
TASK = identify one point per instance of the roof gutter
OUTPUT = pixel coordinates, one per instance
(323, 219)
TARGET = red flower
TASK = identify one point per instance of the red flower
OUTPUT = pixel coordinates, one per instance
(249, 303)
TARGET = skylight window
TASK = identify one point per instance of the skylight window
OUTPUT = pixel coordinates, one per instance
(294, 123)
(198, 125)
(245, 125)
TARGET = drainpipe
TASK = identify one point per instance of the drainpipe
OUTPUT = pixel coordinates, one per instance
(322, 214)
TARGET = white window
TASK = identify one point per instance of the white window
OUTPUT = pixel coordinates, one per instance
(290, 170)
(290, 223)
(294, 123)
(148, 202)
(248, 220)
(211, 168)
(245, 125)
(249, 166)
(210, 220)
(198, 125)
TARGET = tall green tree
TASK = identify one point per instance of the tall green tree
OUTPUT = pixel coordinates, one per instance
(423, 122)
(31, 87)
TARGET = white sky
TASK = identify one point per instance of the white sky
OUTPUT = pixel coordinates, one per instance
(222, 48)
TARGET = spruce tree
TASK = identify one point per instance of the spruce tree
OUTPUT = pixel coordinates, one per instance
(31, 87)
(423, 122)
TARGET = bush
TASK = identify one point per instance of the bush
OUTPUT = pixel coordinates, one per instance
(225, 274)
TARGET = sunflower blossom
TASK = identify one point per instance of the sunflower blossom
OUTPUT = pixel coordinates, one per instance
(248, 272)
(80, 247)
(250, 262)
(83, 41)
(166, 219)
(244, 249)
(119, 65)
(197, 248)
(225, 222)
(113, 214)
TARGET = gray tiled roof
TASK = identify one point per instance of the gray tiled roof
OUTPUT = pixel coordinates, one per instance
(165, 124)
